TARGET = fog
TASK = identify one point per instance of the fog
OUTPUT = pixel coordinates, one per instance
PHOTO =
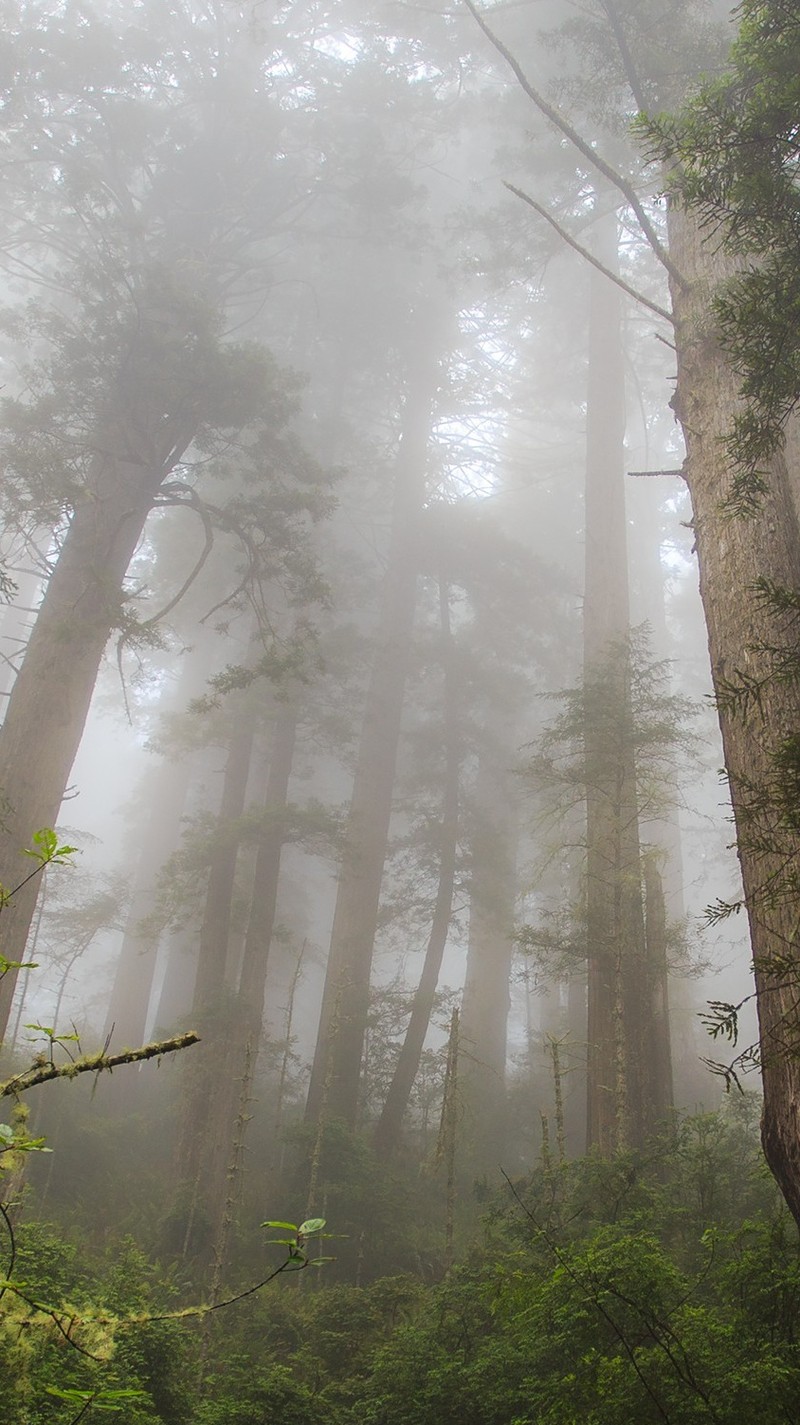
(343, 495)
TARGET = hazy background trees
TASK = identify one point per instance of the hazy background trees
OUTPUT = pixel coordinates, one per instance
(342, 487)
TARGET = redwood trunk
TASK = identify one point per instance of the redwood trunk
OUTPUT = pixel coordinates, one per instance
(50, 700)
(733, 554)
(616, 1108)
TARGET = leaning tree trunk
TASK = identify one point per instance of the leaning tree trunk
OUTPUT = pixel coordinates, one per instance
(50, 700)
(747, 639)
(336, 1069)
(387, 1132)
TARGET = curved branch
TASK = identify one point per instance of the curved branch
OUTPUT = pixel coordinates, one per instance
(584, 252)
(202, 510)
(613, 176)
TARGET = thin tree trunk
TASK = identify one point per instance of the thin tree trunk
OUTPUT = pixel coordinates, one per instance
(387, 1133)
(486, 1000)
(659, 1056)
(337, 1058)
(232, 1050)
(133, 981)
(215, 928)
(616, 1108)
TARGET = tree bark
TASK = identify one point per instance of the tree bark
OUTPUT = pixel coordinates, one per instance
(50, 699)
(733, 554)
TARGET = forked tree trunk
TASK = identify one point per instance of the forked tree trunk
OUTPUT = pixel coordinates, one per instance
(733, 554)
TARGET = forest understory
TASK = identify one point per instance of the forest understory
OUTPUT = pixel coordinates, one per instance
(399, 712)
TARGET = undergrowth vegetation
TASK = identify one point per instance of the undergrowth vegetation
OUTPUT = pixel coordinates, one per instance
(662, 1286)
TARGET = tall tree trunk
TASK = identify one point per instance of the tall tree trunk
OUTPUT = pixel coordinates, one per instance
(760, 737)
(82, 603)
(337, 1059)
(215, 927)
(387, 1133)
(486, 1000)
(215, 1136)
(133, 981)
(616, 1109)
(658, 1059)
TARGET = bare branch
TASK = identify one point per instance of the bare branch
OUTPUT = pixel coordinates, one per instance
(584, 252)
(618, 180)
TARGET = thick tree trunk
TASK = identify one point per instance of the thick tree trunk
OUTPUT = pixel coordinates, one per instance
(50, 700)
(733, 554)
(387, 1133)
(345, 1003)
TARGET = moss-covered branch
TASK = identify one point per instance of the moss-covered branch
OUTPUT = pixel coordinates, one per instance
(95, 1063)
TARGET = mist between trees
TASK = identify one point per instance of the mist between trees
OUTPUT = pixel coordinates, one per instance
(398, 534)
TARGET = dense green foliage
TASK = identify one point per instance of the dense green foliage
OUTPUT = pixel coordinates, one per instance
(657, 1288)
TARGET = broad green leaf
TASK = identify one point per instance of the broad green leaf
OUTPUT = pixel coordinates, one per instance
(290, 1226)
(312, 1224)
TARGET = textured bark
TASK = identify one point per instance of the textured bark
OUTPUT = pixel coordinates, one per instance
(733, 553)
(337, 1059)
(387, 1133)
